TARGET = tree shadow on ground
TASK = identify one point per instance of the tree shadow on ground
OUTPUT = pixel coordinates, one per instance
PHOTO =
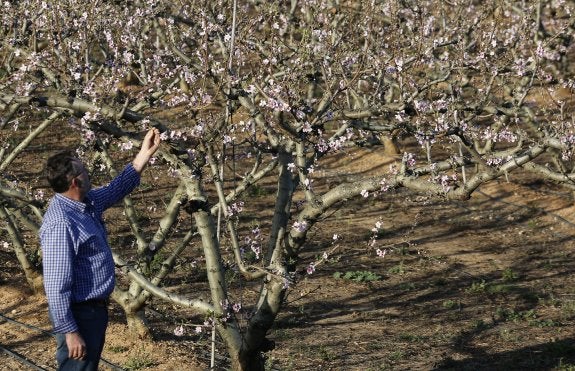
(544, 356)
(454, 306)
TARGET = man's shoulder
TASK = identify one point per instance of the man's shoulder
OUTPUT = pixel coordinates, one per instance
(55, 214)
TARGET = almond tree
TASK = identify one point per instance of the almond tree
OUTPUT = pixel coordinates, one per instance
(461, 92)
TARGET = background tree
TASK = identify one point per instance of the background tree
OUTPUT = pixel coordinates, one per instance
(460, 92)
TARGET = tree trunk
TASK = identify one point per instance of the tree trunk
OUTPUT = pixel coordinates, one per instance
(33, 276)
(135, 313)
(247, 361)
(137, 324)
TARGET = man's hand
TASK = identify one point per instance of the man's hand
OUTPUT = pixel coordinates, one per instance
(150, 145)
(76, 345)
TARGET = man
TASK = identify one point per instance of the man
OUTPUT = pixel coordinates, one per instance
(78, 264)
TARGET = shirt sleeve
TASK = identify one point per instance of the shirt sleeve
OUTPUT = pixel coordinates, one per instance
(108, 195)
(58, 252)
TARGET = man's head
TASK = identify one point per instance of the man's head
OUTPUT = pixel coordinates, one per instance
(65, 172)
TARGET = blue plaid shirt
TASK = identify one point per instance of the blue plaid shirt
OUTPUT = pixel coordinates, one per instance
(77, 259)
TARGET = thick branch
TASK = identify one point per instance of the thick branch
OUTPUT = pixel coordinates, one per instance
(196, 304)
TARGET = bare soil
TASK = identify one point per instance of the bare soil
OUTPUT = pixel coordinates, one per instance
(485, 284)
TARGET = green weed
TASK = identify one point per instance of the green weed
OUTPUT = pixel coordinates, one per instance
(477, 287)
(117, 349)
(257, 191)
(568, 308)
(326, 354)
(450, 304)
(498, 289)
(544, 323)
(565, 366)
(507, 335)
(138, 362)
(35, 258)
(508, 275)
(403, 250)
(396, 355)
(510, 315)
(408, 286)
(412, 338)
(479, 324)
(358, 276)
(157, 261)
(398, 269)
(231, 276)
(145, 186)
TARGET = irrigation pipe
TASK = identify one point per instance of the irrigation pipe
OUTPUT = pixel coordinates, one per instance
(20, 358)
(38, 329)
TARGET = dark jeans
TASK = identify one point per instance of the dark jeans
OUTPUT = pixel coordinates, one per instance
(92, 322)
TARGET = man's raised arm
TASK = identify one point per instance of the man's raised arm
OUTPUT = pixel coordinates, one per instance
(150, 145)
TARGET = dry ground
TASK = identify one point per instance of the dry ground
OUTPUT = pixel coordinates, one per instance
(486, 284)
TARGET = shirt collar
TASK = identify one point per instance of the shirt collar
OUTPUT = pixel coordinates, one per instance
(73, 204)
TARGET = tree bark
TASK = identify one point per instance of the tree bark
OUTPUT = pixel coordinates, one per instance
(135, 313)
(247, 361)
(137, 324)
(33, 276)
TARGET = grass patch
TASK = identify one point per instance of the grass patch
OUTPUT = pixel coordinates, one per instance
(568, 308)
(398, 269)
(499, 289)
(407, 286)
(412, 338)
(396, 355)
(140, 361)
(510, 315)
(565, 366)
(509, 276)
(326, 354)
(509, 336)
(482, 287)
(117, 349)
(529, 316)
(358, 276)
(451, 304)
(257, 190)
(477, 287)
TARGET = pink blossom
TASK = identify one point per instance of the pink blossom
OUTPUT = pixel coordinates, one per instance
(235, 208)
(310, 268)
(126, 146)
(179, 331)
(381, 253)
(39, 195)
(300, 226)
